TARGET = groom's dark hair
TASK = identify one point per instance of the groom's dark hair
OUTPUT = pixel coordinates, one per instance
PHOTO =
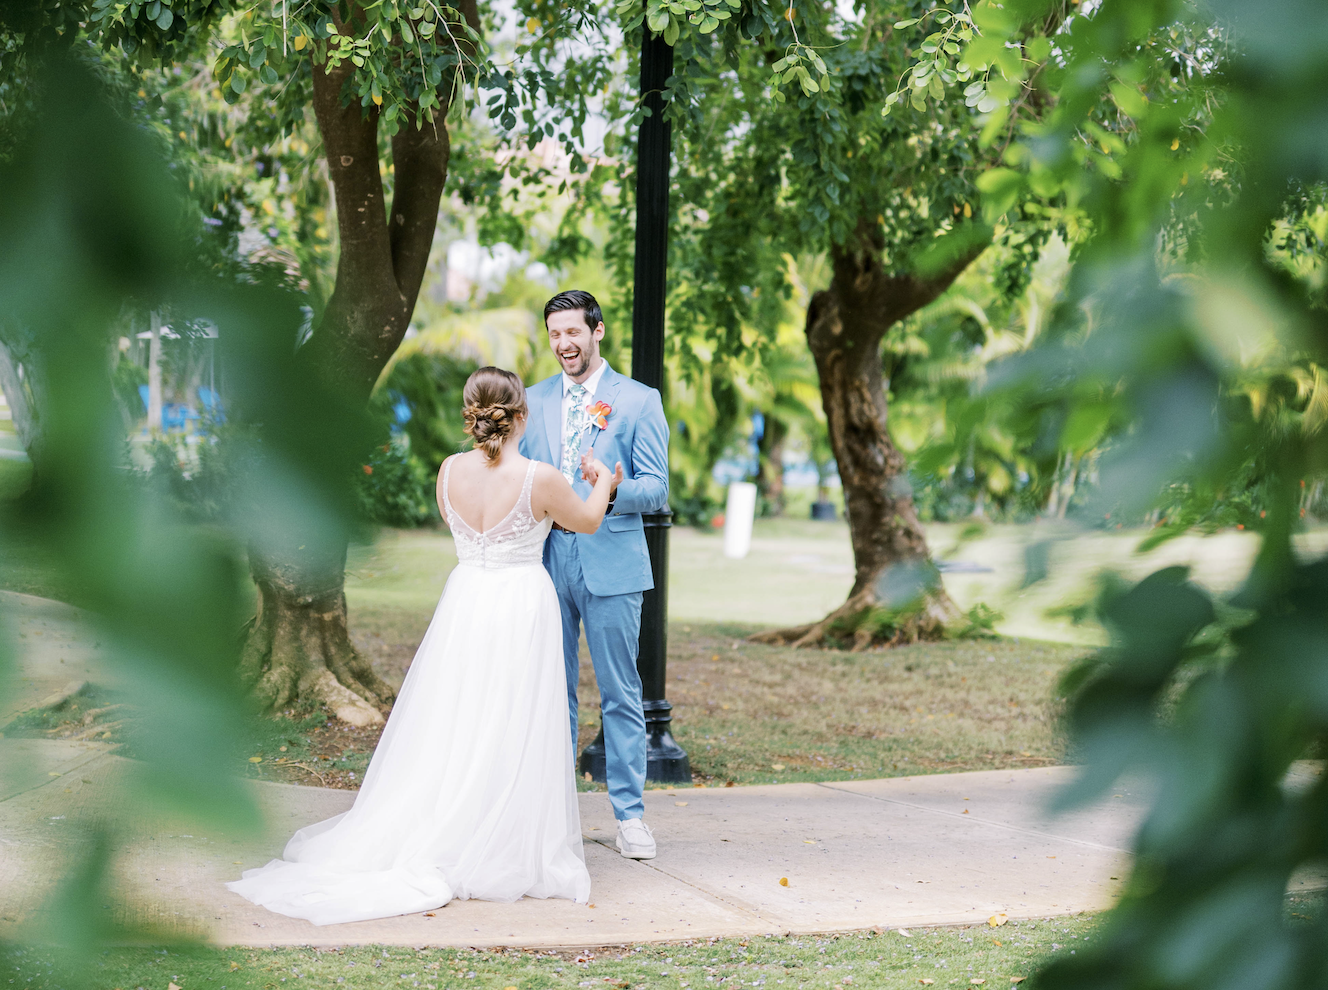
(575, 299)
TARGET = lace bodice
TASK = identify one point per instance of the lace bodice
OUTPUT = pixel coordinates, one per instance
(516, 540)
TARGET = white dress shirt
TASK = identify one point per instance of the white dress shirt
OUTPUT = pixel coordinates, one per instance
(590, 384)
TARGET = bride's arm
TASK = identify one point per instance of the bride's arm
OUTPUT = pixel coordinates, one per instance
(553, 496)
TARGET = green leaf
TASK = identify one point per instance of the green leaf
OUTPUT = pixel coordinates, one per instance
(919, 101)
(900, 25)
(708, 24)
(937, 88)
(657, 20)
(268, 75)
(779, 66)
(165, 19)
(1038, 48)
(1000, 189)
(671, 33)
(238, 83)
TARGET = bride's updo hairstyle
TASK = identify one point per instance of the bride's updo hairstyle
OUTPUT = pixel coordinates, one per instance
(493, 400)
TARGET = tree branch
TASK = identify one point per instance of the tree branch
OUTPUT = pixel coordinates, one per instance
(419, 158)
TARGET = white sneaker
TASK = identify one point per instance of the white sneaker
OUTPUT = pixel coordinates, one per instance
(635, 840)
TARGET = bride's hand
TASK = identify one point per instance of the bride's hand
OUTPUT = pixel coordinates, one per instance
(590, 467)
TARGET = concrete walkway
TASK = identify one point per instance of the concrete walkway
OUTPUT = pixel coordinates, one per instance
(930, 850)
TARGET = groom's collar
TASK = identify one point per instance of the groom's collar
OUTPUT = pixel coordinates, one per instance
(591, 384)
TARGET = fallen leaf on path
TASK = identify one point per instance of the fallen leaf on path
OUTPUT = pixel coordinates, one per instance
(430, 914)
(776, 766)
(1018, 979)
(234, 966)
(926, 983)
(1051, 857)
(255, 759)
(809, 842)
(996, 920)
(965, 811)
(905, 932)
(977, 981)
(728, 783)
(680, 804)
(237, 862)
(783, 881)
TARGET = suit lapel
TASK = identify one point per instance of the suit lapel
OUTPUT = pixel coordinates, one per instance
(608, 394)
(553, 427)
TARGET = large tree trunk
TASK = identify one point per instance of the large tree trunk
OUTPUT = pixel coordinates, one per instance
(846, 324)
(770, 481)
(298, 648)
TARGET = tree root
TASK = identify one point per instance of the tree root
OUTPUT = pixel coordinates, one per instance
(857, 621)
(298, 649)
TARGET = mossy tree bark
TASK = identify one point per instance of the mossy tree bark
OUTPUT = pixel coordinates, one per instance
(298, 647)
(845, 327)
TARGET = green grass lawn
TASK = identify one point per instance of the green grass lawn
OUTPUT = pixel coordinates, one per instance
(946, 957)
(749, 713)
(742, 709)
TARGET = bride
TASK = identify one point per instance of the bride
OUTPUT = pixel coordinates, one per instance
(470, 792)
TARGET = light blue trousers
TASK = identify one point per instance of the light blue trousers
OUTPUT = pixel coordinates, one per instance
(613, 631)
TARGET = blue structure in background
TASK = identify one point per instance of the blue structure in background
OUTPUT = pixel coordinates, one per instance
(401, 411)
(184, 418)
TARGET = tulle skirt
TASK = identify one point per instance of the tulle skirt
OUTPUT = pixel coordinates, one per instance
(470, 792)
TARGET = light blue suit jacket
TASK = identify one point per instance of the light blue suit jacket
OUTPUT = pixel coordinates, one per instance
(614, 560)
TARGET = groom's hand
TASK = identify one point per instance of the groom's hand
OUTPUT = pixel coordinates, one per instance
(591, 475)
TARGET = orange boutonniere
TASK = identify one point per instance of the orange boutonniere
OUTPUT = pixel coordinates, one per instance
(599, 413)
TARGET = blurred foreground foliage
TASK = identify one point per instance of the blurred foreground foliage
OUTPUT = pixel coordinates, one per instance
(1191, 335)
(93, 224)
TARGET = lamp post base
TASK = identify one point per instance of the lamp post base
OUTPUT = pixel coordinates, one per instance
(666, 761)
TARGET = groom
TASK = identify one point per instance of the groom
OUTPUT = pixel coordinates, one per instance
(600, 576)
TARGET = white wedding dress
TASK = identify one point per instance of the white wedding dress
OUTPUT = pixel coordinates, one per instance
(470, 792)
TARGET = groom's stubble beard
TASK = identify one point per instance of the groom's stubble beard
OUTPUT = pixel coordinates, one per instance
(582, 365)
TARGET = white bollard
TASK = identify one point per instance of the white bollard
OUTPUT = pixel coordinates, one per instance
(738, 516)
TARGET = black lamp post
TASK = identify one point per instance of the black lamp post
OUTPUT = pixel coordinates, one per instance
(666, 761)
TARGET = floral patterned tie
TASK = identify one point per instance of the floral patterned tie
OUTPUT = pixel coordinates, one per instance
(576, 425)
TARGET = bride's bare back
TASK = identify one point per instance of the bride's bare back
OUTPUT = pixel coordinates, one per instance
(485, 492)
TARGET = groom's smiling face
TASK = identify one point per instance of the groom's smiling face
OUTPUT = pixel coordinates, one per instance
(574, 343)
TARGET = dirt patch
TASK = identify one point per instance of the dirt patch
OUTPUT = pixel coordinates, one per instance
(742, 710)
